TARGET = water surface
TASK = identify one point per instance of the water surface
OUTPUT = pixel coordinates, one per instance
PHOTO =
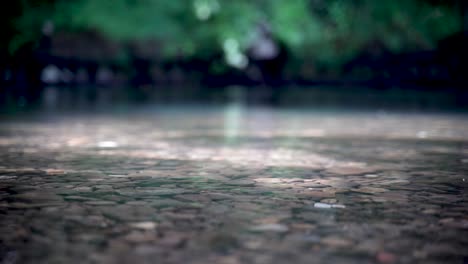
(234, 184)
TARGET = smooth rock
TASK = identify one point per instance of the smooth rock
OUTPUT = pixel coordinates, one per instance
(270, 228)
(144, 225)
(322, 205)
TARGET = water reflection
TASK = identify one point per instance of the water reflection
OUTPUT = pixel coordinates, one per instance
(232, 120)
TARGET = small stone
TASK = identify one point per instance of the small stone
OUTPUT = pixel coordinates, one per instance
(271, 220)
(329, 201)
(270, 228)
(118, 175)
(7, 177)
(243, 183)
(421, 134)
(385, 257)
(369, 190)
(223, 243)
(341, 206)
(452, 222)
(228, 260)
(54, 172)
(144, 225)
(253, 244)
(351, 169)
(107, 144)
(319, 194)
(104, 187)
(27, 205)
(193, 198)
(172, 239)
(430, 211)
(379, 199)
(268, 180)
(322, 205)
(83, 189)
(303, 226)
(78, 198)
(309, 238)
(136, 203)
(336, 242)
(140, 237)
(419, 254)
(100, 203)
(37, 196)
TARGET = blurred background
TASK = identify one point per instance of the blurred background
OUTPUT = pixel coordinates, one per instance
(359, 53)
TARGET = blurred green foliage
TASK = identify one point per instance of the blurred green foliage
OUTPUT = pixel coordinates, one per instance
(331, 31)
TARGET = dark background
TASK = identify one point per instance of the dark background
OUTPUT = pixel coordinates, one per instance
(309, 52)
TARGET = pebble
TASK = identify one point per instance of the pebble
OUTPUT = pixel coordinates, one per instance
(322, 205)
(107, 144)
(270, 228)
(336, 242)
(369, 190)
(54, 171)
(144, 225)
(172, 239)
(140, 237)
(7, 177)
(100, 203)
(37, 196)
(82, 189)
(350, 170)
(118, 175)
(341, 206)
(329, 201)
(309, 238)
(385, 257)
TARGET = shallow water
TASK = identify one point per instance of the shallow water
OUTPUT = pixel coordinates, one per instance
(234, 184)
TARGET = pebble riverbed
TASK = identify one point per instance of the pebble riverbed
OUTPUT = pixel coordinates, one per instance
(232, 185)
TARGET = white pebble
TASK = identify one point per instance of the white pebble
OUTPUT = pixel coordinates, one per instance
(339, 206)
(328, 206)
(144, 225)
(107, 144)
(322, 205)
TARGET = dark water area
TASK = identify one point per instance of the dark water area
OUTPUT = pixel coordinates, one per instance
(106, 98)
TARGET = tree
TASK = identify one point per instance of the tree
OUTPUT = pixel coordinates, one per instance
(329, 31)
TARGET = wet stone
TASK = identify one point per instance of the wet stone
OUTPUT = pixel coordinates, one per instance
(83, 189)
(369, 190)
(193, 198)
(223, 243)
(350, 170)
(54, 172)
(7, 177)
(140, 237)
(37, 196)
(270, 228)
(336, 242)
(20, 205)
(144, 225)
(318, 194)
(100, 203)
(152, 191)
(78, 198)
